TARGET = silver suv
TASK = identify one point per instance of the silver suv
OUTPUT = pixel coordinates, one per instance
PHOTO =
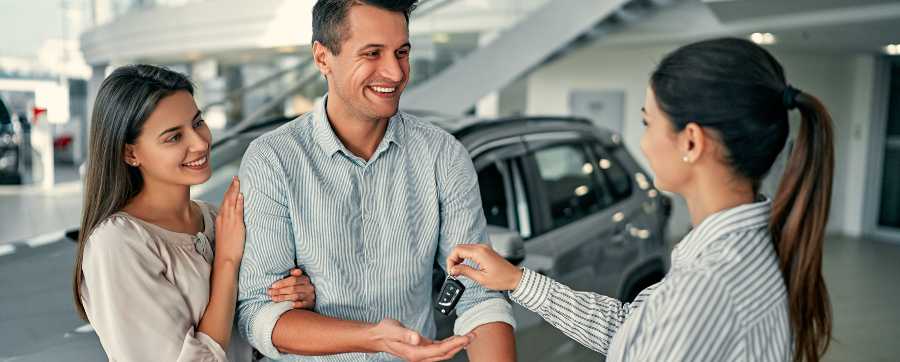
(561, 197)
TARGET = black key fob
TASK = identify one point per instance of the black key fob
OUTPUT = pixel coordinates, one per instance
(450, 293)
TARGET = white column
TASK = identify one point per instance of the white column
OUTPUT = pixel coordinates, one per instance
(98, 74)
(489, 105)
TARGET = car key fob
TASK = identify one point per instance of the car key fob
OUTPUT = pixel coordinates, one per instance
(450, 294)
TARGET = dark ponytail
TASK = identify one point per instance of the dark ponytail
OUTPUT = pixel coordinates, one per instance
(799, 214)
(737, 90)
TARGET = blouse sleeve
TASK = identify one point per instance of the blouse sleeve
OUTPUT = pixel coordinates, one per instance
(590, 319)
(137, 313)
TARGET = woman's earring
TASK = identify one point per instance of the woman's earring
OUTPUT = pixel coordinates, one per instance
(685, 159)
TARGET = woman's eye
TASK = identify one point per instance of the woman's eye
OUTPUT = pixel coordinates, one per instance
(403, 54)
(198, 123)
(644, 122)
(174, 138)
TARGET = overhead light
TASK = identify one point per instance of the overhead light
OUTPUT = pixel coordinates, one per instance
(581, 190)
(286, 49)
(440, 38)
(892, 49)
(763, 38)
(587, 168)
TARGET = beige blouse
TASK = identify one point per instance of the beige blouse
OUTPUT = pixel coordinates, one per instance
(145, 289)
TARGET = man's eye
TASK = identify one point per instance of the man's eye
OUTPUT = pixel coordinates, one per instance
(372, 54)
(402, 53)
(198, 123)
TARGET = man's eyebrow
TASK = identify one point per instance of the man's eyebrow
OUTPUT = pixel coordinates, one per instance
(376, 45)
(197, 115)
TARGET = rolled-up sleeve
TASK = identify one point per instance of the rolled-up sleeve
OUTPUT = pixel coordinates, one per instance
(463, 222)
(269, 248)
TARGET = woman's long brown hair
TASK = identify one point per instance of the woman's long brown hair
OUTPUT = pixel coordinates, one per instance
(799, 214)
(739, 90)
(125, 100)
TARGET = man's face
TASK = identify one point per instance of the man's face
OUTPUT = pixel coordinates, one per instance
(366, 79)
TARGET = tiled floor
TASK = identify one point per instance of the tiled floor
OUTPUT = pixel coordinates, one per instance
(863, 278)
(29, 211)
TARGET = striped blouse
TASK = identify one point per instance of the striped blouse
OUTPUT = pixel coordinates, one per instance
(724, 299)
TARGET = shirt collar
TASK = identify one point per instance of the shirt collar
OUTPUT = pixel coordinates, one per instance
(739, 218)
(329, 142)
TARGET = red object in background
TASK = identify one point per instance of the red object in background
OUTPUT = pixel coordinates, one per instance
(62, 142)
(37, 112)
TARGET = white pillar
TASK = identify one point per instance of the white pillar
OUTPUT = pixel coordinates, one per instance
(489, 105)
(98, 74)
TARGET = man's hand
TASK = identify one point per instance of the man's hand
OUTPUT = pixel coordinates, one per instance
(392, 337)
(295, 288)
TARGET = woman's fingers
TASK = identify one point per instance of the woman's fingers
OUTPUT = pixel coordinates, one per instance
(492, 270)
(460, 253)
(468, 272)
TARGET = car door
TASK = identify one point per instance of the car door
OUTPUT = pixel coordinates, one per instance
(619, 253)
(574, 212)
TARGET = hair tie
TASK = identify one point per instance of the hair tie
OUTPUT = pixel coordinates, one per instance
(789, 97)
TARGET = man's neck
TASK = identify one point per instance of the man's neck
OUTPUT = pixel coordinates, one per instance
(358, 134)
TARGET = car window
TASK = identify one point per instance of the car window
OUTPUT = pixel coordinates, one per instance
(613, 173)
(494, 188)
(569, 183)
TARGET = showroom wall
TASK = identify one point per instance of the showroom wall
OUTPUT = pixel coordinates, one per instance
(844, 82)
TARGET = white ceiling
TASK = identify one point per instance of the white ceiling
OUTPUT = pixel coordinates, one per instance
(851, 26)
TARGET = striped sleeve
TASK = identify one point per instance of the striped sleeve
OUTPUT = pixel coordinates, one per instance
(463, 222)
(691, 318)
(589, 318)
(268, 249)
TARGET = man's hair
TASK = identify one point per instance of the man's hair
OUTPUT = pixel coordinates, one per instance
(329, 18)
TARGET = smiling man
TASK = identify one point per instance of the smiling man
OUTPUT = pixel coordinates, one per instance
(365, 199)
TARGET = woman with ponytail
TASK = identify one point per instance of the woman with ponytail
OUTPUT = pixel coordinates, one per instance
(746, 282)
(156, 273)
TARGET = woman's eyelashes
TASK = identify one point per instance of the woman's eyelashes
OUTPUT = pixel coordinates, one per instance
(175, 137)
(644, 122)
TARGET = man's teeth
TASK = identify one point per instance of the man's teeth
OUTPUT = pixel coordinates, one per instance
(199, 162)
(384, 90)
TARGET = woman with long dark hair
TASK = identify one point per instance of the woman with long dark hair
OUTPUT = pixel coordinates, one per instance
(746, 283)
(156, 273)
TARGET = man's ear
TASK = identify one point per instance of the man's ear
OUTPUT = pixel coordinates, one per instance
(321, 56)
(694, 142)
(129, 156)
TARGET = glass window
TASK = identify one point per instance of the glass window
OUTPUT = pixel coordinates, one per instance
(493, 186)
(612, 172)
(568, 178)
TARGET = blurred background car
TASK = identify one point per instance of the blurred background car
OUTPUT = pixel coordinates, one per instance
(9, 148)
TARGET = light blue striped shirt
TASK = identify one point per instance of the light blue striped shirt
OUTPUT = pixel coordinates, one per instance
(366, 233)
(723, 300)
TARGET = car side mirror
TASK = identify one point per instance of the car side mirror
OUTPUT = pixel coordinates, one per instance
(507, 243)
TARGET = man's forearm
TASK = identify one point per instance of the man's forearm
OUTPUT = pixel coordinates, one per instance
(307, 333)
(493, 342)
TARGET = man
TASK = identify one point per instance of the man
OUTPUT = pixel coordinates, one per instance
(365, 199)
